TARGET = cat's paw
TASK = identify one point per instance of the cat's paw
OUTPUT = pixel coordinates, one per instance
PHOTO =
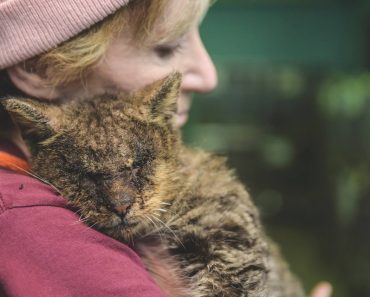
(245, 280)
(223, 264)
(248, 280)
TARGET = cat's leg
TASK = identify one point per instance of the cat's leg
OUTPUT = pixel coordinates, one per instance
(221, 249)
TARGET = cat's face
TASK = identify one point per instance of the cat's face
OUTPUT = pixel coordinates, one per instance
(111, 156)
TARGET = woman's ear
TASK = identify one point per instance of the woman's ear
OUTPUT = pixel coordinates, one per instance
(31, 83)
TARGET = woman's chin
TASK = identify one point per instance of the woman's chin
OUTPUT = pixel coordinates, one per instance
(181, 119)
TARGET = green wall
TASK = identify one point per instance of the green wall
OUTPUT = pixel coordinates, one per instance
(325, 36)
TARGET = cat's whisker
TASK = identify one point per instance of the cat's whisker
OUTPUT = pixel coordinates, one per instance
(77, 211)
(161, 209)
(165, 203)
(172, 219)
(130, 237)
(156, 214)
(154, 224)
(146, 234)
(81, 219)
(91, 226)
(169, 229)
(37, 177)
(159, 230)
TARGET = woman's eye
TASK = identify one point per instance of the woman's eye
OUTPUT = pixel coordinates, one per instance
(167, 51)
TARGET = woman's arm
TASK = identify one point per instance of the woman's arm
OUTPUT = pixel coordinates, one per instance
(46, 251)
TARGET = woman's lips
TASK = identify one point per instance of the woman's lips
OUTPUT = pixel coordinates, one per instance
(183, 107)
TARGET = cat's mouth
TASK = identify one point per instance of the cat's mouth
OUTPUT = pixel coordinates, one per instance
(122, 223)
(129, 223)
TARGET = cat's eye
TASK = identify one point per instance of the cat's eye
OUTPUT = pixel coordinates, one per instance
(99, 176)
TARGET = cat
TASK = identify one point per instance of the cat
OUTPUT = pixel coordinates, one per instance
(120, 161)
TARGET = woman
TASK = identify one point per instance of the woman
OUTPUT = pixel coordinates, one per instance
(50, 50)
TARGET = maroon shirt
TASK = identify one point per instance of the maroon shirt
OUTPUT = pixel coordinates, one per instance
(46, 252)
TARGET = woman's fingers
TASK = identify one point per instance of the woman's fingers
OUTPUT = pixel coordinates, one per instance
(322, 289)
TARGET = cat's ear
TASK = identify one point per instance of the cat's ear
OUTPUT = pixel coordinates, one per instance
(159, 99)
(31, 117)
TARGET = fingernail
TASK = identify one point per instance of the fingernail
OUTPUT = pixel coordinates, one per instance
(324, 290)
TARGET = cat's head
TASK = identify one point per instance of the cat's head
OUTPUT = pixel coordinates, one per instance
(112, 156)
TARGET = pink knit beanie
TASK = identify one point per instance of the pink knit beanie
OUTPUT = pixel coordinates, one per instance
(30, 27)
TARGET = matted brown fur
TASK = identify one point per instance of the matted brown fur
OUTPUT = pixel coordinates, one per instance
(121, 163)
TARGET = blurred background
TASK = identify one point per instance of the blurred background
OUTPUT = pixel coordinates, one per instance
(292, 113)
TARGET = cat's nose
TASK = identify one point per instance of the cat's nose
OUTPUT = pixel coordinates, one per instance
(124, 201)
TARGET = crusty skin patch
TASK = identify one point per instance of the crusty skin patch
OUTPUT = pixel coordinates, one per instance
(120, 161)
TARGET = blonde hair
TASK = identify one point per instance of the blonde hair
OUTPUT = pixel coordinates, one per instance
(72, 60)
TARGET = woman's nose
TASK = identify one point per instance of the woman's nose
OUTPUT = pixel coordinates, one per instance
(200, 73)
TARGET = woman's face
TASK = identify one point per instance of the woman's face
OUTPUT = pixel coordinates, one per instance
(128, 66)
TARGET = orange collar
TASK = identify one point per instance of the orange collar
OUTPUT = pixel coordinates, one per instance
(13, 163)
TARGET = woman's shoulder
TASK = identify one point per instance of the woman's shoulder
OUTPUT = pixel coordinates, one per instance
(44, 241)
(18, 190)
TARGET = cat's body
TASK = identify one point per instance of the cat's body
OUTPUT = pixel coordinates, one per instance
(122, 165)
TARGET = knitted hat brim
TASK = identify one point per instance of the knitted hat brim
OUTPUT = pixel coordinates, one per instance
(31, 27)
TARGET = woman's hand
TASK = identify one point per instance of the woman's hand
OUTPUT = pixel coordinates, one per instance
(322, 289)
